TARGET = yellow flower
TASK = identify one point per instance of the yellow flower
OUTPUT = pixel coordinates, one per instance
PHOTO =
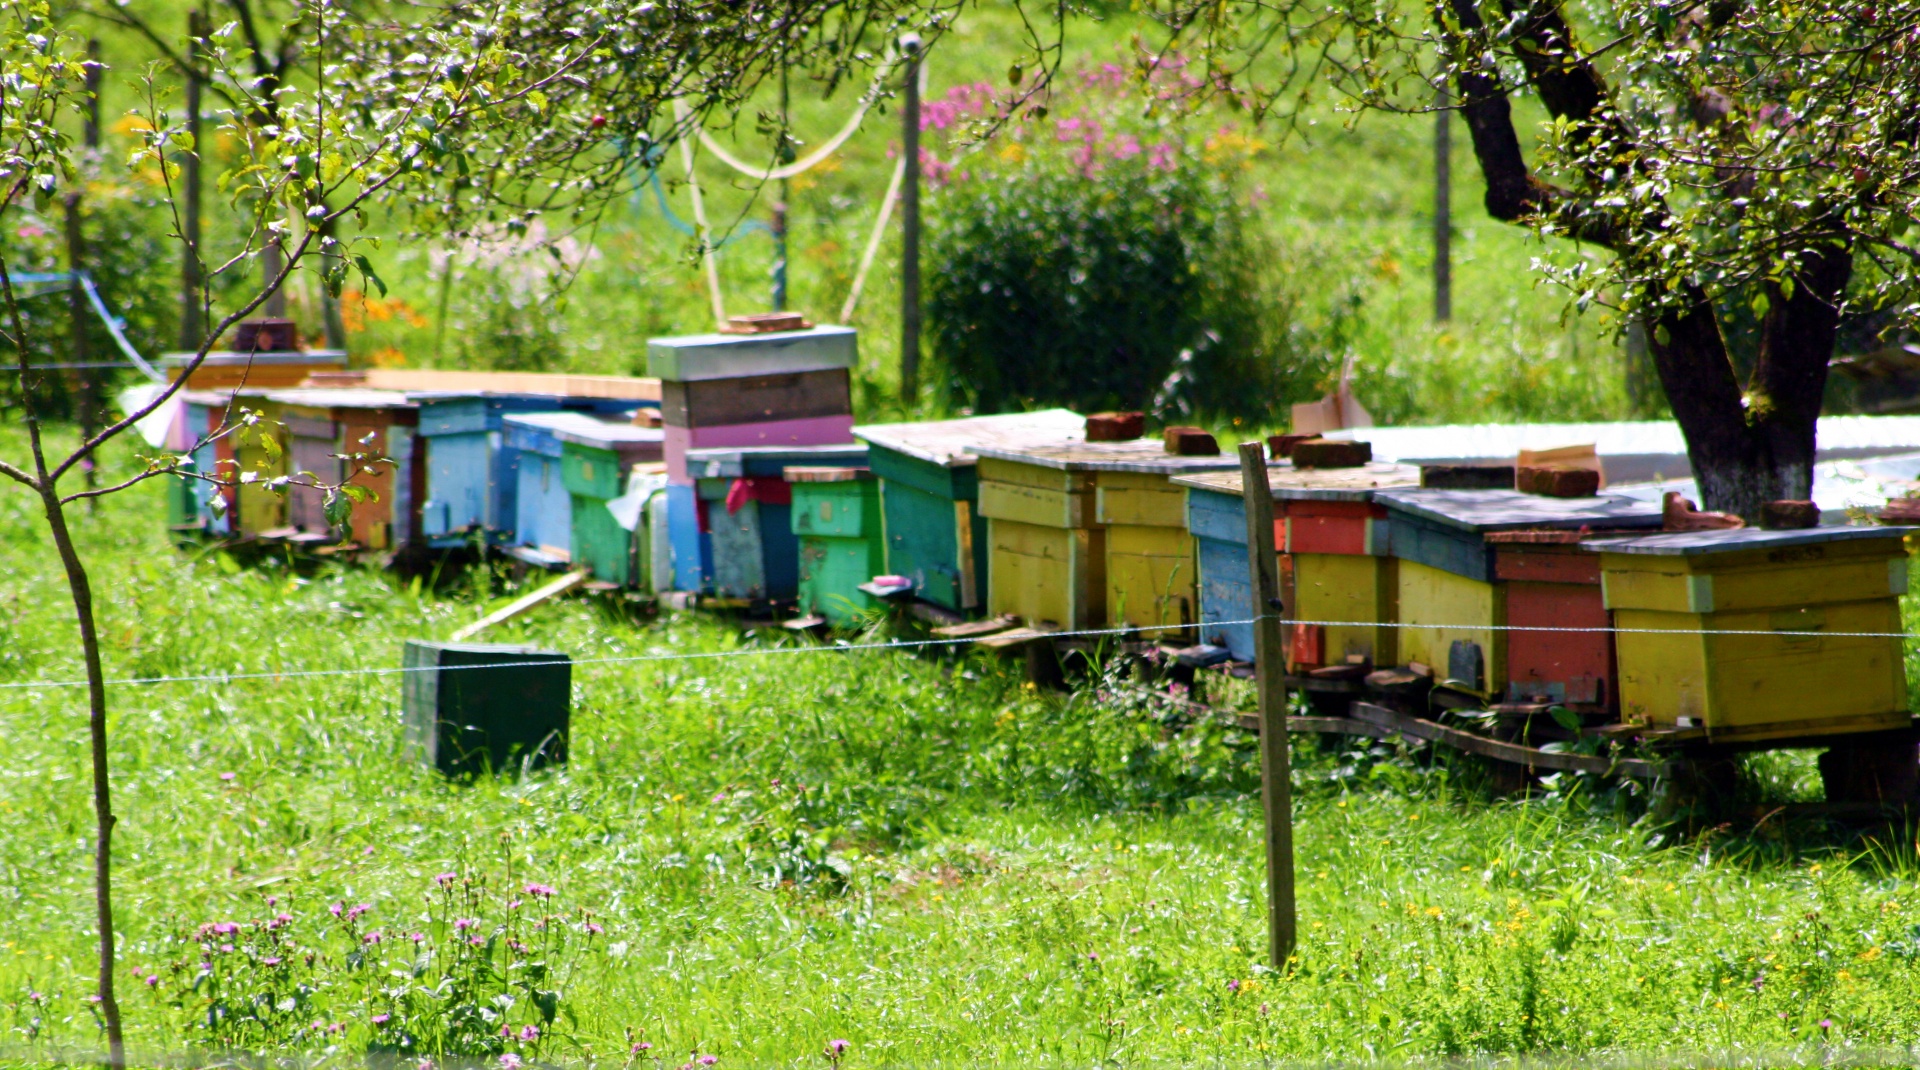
(1869, 954)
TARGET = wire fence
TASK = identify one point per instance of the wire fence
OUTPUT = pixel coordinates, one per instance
(233, 676)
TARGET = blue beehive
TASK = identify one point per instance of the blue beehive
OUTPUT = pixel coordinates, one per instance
(750, 549)
(473, 474)
(543, 510)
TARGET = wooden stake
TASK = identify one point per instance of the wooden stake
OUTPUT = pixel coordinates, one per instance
(910, 224)
(1443, 207)
(1270, 668)
(520, 605)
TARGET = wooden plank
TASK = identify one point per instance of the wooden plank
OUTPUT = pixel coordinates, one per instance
(1276, 775)
(1047, 575)
(975, 628)
(1500, 750)
(1013, 638)
(1315, 484)
(993, 469)
(1350, 588)
(756, 398)
(1142, 500)
(520, 605)
(1151, 579)
(1147, 455)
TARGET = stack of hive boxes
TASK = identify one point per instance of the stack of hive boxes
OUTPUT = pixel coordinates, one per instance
(758, 388)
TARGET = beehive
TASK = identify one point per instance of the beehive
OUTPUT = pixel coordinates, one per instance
(1092, 534)
(596, 463)
(1775, 680)
(463, 717)
(473, 475)
(543, 510)
(930, 492)
(741, 501)
(1453, 604)
(251, 509)
(324, 425)
(836, 518)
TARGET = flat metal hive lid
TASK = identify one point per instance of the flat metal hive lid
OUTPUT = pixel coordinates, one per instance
(321, 397)
(1145, 455)
(1495, 510)
(1693, 543)
(948, 442)
(1314, 484)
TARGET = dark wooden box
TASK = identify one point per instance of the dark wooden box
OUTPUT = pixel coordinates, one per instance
(753, 399)
(464, 720)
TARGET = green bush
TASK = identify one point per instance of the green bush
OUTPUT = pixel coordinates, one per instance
(1102, 261)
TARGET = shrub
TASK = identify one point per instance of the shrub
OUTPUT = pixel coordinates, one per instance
(1100, 260)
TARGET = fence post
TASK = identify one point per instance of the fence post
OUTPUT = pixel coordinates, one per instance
(1270, 668)
(910, 224)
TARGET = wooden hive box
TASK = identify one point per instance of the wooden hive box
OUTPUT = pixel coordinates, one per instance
(930, 491)
(462, 719)
(473, 476)
(836, 518)
(1454, 606)
(741, 503)
(691, 358)
(543, 510)
(1760, 685)
(1333, 544)
(252, 509)
(325, 424)
(1092, 534)
(596, 463)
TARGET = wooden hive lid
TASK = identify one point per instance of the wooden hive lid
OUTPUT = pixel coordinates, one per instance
(1146, 455)
(948, 442)
(1482, 511)
(1697, 543)
(342, 398)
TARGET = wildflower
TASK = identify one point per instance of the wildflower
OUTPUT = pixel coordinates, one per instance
(541, 890)
(510, 1061)
(418, 937)
(709, 1060)
(373, 937)
(506, 1032)
(226, 776)
(445, 879)
(424, 1064)
(270, 962)
(1826, 1024)
(1093, 956)
(226, 949)
(336, 908)
(357, 911)
(530, 1033)
(594, 929)
(463, 924)
(280, 921)
(226, 928)
(513, 904)
(640, 1047)
(1233, 985)
(382, 1019)
(838, 1048)
(152, 980)
(273, 900)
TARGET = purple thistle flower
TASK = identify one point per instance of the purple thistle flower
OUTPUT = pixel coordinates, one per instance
(640, 1047)
(837, 1048)
(1233, 985)
(359, 910)
(373, 937)
(1826, 1024)
(336, 908)
(594, 928)
(226, 776)
(270, 962)
(541, 890)
(152, 980)
(529, 1034)
(510, 1061)
(418, 937)
(382, 1019)
(709, 1060)
(445, 879)
(463, 924)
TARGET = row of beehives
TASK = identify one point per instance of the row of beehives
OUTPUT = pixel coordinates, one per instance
(1018, 515)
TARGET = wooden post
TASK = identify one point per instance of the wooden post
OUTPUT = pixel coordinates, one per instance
(1270, 669)
(1443, 207)
(85, 378)
(780, 206)
(191, 313)
(910, 224)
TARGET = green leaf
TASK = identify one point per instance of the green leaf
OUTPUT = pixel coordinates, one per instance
(1662, 335)
(1564, 717)
(339, 509)
(366, 269)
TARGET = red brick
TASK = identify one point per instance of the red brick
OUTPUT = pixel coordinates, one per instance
(1557, 482)
(1331, 453)
(1190, 442)
(1116, 426)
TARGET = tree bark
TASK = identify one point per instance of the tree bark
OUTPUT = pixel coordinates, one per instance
(81, 591)
(1747, 446)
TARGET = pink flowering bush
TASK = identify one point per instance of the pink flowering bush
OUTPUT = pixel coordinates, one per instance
(477, 970)
(1101, 253)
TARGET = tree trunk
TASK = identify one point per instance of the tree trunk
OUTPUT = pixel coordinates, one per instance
(81, 591)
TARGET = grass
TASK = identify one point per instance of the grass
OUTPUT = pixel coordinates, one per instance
(921, 856)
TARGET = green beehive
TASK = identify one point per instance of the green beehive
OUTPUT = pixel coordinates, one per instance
(836, 515)
(930, 491)
(594, 465)
(463, 717)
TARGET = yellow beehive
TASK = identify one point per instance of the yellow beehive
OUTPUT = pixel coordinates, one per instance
(1092, 534)
(1783, 589)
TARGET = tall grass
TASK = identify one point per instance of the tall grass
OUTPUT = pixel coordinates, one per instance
(920, 855)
